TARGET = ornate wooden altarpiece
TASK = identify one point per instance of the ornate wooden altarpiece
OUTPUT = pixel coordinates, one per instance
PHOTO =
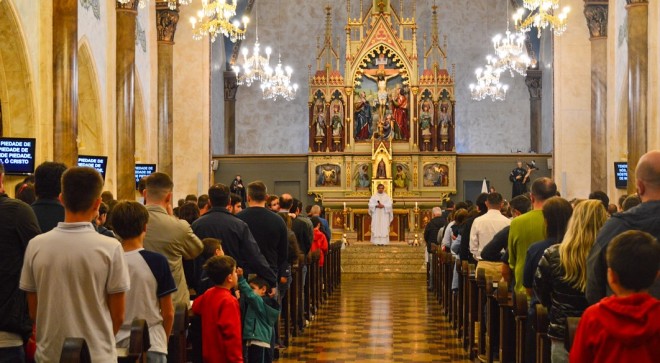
(385, 120)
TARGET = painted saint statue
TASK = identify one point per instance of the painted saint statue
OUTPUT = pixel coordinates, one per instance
(380, 210)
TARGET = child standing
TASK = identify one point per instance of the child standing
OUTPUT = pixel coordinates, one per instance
(259, 319)
(220, 313)
(624, 327)
(152, 285)
(320, 241)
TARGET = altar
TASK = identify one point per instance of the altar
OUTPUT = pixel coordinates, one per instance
(381, 117)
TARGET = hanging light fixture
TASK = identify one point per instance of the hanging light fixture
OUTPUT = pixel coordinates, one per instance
(510, 50)
(171, 4)
(278, 84)
(278, 81)
(488, 82)
(254, 67)
(215, 18)
(541, 16)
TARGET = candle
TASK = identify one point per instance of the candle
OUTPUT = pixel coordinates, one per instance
(416, 205)
(344, 205)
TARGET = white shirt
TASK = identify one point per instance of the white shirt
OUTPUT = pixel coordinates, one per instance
(73, 269)
(484, 229)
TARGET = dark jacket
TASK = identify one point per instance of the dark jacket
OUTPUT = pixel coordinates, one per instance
(19, 225)
(49, 213)
(269, 230)
(493, 250)
(431, 231)
(465, 253)
(561, 298)
(303, 235)
(644, 217)
(237, 241)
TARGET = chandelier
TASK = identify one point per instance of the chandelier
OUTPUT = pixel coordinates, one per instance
(511, 52)
(278, 83)
(541, 16)
(215, 18)
(254, 67)
(171, 4)
(488, 82)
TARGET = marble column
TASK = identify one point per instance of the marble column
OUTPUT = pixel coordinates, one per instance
(595, 12)
(231, 86)
(65, 81)
(534, 83)
(638, 53)
(166, 21)
(125, 93)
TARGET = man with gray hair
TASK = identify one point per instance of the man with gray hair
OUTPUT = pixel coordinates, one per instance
(645, 217)
(431, 232)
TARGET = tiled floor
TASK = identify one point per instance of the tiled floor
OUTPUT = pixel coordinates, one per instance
(378, 320)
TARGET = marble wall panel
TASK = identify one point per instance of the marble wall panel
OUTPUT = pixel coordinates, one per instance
(146, 73)
(191, 110)
(572, 107)
(218, 60)
(654, 76)
(617, 94)
(281, 128)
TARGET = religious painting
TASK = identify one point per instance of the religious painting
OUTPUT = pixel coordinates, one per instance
(382, 89)
(445, 123)
(362, 176)
(362, 117)
(402, 176)
(319, 123)
(426, 121)
(436, 175)
(328, 175)
(337, 121)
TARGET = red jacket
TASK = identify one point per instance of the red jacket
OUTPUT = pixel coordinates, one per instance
(617, 329)
(320, 243)
(221, 326)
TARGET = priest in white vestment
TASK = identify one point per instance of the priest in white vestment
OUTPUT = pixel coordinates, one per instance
(380, 210)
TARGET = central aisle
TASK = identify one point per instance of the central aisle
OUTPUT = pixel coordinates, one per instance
(373, 319)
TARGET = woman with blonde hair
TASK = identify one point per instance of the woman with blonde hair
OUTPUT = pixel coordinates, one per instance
(561, 277)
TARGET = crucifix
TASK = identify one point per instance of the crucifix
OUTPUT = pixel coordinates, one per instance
(381, 75)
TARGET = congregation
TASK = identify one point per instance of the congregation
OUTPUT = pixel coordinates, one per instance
(79, 263)
(580, 258)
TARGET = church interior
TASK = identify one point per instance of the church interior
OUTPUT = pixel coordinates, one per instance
(327, 100)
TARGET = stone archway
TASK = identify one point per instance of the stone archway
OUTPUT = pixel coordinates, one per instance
(90, 123)
(16, 94)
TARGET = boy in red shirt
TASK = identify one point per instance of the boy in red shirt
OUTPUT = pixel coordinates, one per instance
(320, 241)
(220, 314)
(625, 327)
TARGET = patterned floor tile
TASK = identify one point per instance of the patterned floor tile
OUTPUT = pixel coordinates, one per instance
(378, 320)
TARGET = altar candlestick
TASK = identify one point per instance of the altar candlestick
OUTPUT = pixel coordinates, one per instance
(416, 205)
(344, 205)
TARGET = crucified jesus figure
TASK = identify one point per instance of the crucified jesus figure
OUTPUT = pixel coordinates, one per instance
(381, 75)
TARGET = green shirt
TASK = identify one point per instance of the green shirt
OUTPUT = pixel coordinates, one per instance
(525, 230)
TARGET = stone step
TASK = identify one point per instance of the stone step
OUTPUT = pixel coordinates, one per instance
(382, 261)
(370, 269)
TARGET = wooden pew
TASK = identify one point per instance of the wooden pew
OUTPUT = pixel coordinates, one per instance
(462, 296)
(481, 307)
(542, 339)
(450, 297)
(138, 346)
(296, 295)
(472, 312)
(507, 323)
(75, 350)
(176, 344)
(520, 308)
(493, 320)
(571, 327)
